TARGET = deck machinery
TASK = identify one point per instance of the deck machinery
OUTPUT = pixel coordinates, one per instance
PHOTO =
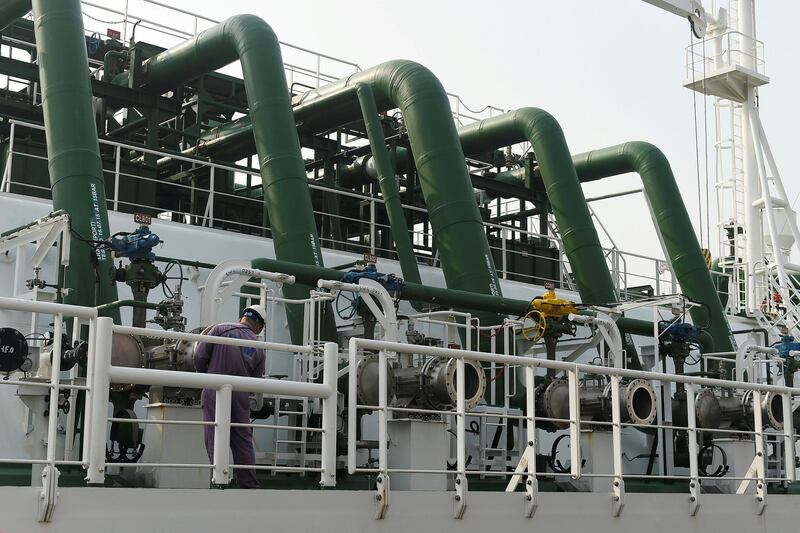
(472, 334)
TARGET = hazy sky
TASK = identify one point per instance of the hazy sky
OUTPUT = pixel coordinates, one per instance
(608, 70)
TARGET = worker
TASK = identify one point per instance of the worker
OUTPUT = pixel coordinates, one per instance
(234, 361)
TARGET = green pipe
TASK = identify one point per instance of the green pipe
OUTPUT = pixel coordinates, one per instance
(458, 229)
(76, 171)
(388, 184)
(286, 195)
(11, 10)
(672, 220)
(578, 235)
(450, 298)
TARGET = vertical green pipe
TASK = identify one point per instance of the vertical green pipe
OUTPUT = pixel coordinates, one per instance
(388, 184)
(672, 220)
(286, 195)
(76, 171)
(459, 234)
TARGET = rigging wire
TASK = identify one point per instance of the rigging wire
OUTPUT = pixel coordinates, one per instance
(696, 141)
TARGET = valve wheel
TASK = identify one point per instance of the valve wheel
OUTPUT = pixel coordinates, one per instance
(535, 331)
(347, 304)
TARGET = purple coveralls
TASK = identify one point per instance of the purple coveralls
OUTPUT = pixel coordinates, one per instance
(235, 361)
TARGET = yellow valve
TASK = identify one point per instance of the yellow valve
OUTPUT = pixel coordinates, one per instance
(549, 306)
(536, 331)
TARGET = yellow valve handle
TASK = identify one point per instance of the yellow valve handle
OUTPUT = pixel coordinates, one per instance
(535, 332)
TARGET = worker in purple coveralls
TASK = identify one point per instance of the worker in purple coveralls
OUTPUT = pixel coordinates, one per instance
(234, 361)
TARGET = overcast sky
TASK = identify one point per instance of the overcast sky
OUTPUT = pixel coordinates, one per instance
(608, 70)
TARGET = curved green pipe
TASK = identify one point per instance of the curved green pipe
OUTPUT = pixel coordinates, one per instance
(287, 200)
(11, 10)
(388, 184)
(578, 235)
(458, 229)
(672, 220)
(76, 171)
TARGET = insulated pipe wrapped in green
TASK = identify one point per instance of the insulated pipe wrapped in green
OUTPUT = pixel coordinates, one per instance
(672, 220)
(444, 297)
(581, 243)
(287, 200)
(458, 229)
(76, 171)
(388, 184)
(11, 10)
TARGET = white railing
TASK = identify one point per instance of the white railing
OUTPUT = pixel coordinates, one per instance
(643, 270)
(55, 386)
(720, 52)
(221, 469)
(784, 470)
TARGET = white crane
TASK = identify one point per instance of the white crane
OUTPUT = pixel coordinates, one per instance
(757, 226)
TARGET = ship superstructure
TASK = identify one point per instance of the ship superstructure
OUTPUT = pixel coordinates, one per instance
(449, 345)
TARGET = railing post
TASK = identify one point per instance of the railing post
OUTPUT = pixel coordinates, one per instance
(382, 481)
(96, 468)
(352, 400)
(211, 198)
(7, 171)
(788, 434)
(460, 497)
(531, 484)
(372, 219)
(694, 476)
(574, 422)
(505, 263)
(329, 415)
(117, 158)
(760, 460)
(618, 489)
(222, 437)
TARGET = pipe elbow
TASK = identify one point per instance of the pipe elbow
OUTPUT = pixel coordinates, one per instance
(535, 123)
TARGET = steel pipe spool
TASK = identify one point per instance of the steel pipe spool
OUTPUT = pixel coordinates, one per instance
(637, 402)
(725, 412)
(429, 386)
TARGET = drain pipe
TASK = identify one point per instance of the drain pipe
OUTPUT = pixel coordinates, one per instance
(286, 195)
(76, 171)
(458, 229)
(581, 243)
(673, 223)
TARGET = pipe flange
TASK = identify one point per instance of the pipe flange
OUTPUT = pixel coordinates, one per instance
(772, 406)
(640, 402)
(367, 372)
(556, 390)
(708, 413)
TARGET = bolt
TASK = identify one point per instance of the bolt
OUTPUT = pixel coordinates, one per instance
(458, 498)
(458, 481)
(378, 497)
(529, 482)
(760, 486)
(530, 443)
(759, 454)
(692, 498)
(691, 485)
(380, 479)
(616, 483)
(760, 498)
(528, 497)
(616, 498)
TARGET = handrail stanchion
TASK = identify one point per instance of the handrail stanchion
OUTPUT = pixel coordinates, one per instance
(96, 468)
(352, 415)
(790, 464)
(329, 416)
(222, 436)
(531, 484)
(760, 459)
(618, 490)
(694, 481)
(460, 498)
(382, 481)
(574, 422)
